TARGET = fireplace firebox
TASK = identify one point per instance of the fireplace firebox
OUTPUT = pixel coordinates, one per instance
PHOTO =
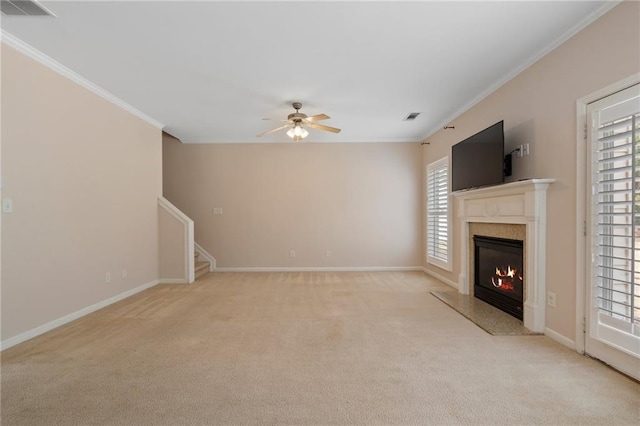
(498, 275)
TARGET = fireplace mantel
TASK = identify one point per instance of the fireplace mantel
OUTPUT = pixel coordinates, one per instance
(522, 202)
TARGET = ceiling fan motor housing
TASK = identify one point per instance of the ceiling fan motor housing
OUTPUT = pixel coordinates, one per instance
(296, 116)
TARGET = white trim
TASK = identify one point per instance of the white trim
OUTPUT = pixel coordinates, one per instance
(588, 20)
(554, 335)
(189, 239)
(511, 188)
(33, 53)
(441, 278)
(207, 256)
(40, 6)
(581, 218)
(172, 281)
(611, 89)
(321, 269)
(6, 344)
(581, 187)
(173, 210)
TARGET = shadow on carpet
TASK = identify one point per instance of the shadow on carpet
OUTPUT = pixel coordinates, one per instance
(490, 319)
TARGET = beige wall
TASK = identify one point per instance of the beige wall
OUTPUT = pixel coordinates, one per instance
(1, 193)
(84, 176)
(171, 246)
(360, 201)
(539, 108)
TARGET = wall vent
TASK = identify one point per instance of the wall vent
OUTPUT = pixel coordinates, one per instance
(411, 116)
(23, 8)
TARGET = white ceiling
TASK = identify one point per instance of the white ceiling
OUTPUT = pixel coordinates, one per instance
(210, 71)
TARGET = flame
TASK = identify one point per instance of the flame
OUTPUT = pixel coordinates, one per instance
(504, 278)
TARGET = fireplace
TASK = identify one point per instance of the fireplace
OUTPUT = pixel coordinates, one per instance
(517, 203)
(498, 273)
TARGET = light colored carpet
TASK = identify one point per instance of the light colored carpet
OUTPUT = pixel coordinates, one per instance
(490, 319)
(304, 349)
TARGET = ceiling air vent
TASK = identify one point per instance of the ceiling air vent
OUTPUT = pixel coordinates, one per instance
(411, 116)
(23, 8)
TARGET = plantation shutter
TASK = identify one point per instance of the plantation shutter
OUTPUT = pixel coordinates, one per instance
(438, 213)
(615, 222)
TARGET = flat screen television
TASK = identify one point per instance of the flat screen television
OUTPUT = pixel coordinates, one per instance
(479, 160)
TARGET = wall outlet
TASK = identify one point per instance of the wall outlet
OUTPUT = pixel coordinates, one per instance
(327, 253)
(217, 210)
(124, 273)
(292, 253)
(525, 149)
(551, 299)
(520, 151)
(107, 277)
(7, 205)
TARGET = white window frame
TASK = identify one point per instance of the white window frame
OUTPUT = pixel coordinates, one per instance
(603, 325)
(583, 254)
(430, 172)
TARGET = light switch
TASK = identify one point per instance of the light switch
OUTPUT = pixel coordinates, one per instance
(217, 210)
(7, 205)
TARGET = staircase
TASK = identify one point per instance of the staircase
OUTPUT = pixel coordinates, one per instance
(201, 267)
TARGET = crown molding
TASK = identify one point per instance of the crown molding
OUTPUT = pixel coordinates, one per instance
(588, 20)
(22, 47)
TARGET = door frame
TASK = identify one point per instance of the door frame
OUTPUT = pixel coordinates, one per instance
(581, 202)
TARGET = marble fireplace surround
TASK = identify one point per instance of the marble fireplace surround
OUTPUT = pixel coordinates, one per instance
(517, 203)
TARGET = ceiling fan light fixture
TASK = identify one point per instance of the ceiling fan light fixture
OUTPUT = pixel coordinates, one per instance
(297, 132)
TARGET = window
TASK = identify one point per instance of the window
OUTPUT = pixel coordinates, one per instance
(438, 214)
(615, 220)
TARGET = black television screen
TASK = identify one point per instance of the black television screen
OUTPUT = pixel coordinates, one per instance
(479, 160)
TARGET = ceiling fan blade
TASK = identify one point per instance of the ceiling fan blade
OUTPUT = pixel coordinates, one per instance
(325, 128)
(272, 130)
(318, 117)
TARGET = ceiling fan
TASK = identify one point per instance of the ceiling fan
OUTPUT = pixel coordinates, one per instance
(297, 123)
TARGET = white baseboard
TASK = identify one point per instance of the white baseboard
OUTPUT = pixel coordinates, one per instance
(23, 337)
(441, 278)
(554, 335)
(172, 281)
(322, 269)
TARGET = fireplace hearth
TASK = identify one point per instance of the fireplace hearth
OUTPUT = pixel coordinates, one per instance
(498, 275)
